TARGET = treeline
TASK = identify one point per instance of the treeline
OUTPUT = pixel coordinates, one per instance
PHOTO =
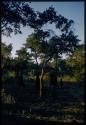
(70, 69)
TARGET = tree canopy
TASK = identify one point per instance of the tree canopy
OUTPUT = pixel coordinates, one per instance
(17, 14)
(14, 15)
(40, 45)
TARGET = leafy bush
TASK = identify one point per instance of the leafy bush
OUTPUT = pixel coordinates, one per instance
(6, 98)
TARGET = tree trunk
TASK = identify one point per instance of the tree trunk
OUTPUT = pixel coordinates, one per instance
(41, 83)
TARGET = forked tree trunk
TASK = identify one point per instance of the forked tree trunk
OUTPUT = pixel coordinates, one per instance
(40, 81)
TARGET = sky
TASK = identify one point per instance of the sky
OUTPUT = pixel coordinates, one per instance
(70, 10)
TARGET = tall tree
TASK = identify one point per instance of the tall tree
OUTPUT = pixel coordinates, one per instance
(47, 49)
(51, 49)
(66, 43)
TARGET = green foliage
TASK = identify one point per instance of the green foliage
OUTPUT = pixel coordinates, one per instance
(6, 50)
(5, 60)
(46, 76)
(22, 54)
(33, 43)
(6, 98)
(68, 78)
(77, 63)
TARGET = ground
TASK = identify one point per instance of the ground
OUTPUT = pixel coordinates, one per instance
(64, 104)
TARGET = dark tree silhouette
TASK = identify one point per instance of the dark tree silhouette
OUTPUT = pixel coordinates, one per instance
(20, 80)
(37, 83)
(53, 78)
(14, 15)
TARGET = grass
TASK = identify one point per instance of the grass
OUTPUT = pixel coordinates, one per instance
(65, 105)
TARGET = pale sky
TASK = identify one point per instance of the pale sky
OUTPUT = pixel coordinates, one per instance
(70, 10)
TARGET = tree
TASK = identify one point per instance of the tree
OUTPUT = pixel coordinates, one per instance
(22, 54)
(5, 54)
(5, 59)
(22, 65)
(6, 50)
(44, 48)
(51, 49)
(14, 15)
(77, 63)
(66, 43)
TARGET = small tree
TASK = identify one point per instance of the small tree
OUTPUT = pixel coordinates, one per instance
(5, 59)
(77, 63)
